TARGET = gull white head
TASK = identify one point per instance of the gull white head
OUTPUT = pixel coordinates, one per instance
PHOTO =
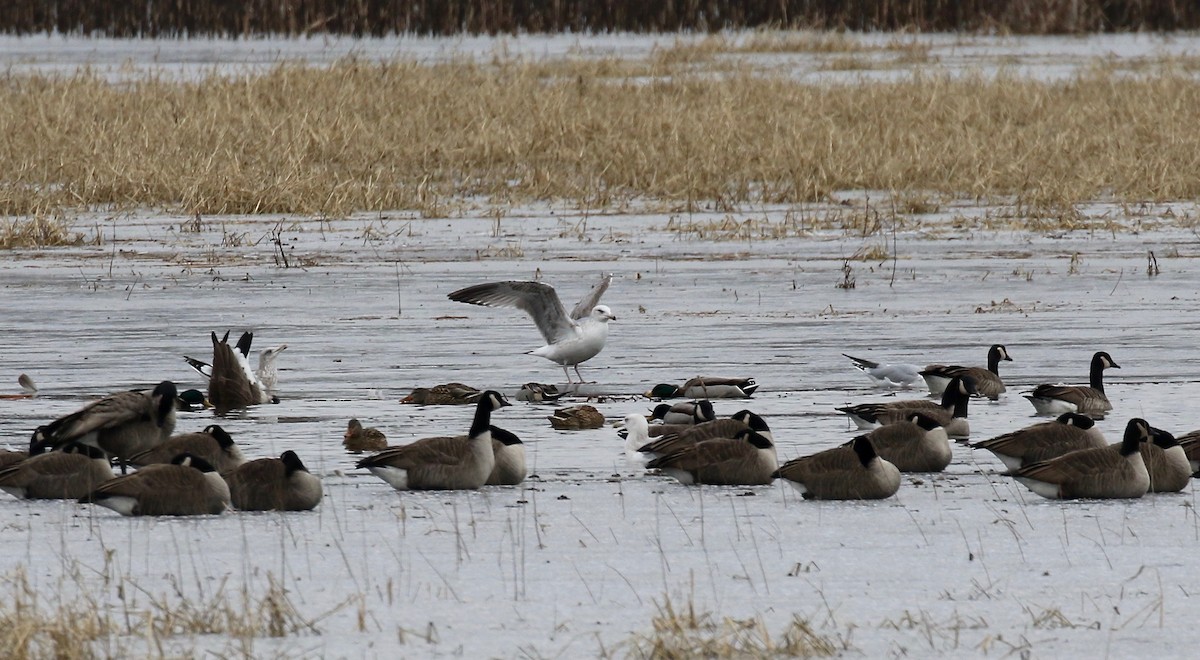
(602, 313)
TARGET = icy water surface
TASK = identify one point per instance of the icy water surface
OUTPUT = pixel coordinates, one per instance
(584, 554)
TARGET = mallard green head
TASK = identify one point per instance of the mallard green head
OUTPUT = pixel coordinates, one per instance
(192, 400)
(663, 391)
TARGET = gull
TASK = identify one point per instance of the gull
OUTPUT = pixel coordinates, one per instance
(896, 374)
(570, 338)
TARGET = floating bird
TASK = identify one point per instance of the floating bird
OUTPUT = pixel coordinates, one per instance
(538, 393)
(887, 375)
(262, 382)
(120, 424)
(58, 475)
(358, 439)
(28, 389)
(449, 394)
(1166, 462)
(706, 387)
(274, 484)
(191, 401)
(510, 458)
(213, 444)
(745, 459)
(987, 381)
(187, 486)
(952, 413)
(687, 412)
(918, 443)
(853, 472)
(8, 457)
(443, 463)
(1057, 399)
(570, 338)
(1116, 471)
(576, 418)
(1045, 440)
(687, 435)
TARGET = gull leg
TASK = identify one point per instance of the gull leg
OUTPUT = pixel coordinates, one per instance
(581, 381)
(568, 375)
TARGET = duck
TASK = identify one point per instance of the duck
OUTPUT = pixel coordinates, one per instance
(576, 418)
(918, 443)
(571, 339)
(987, 380)
(706, 387)
(951, 413)
(688, 412)
(237, 385)
(191, 401)
(539, 393)
(1113, 472)
(357, 439)
(448, 394)
(1045, 440)
(28, 389)
(274, 484)
(213, 444)
(443, 463)
(746, 459)
(1090, 400)
(510, 458)
(687, 435)
(1166, 461)
(895, 374)
(187, 486)
(66, 474)
(851, 472)
(120, 424)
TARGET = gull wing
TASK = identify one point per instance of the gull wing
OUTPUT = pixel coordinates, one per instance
(584, 308)
(537, 300)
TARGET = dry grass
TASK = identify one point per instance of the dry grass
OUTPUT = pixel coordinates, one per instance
(38, 231)
(413, 136)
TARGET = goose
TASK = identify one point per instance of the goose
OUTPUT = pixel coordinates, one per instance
(688, 435)
(120, 424)
(274, 484)
(1057, 399)
(1045, 440)
(213, 444)
(443, 463)
(576, 418)
(28, 389)
(918, 443)
(187, 486)
(267, 373)
(232, 383)
(8, 457)
(1190, 442)
(853, 472)
(538, 393)
(510, 458)
(897, 374)
(358, 439)
(952, 413)
(987, 381)
(706, 387)
(448, 394)
(67, 474)
(688, 412)
(1168, 464)
(745, 459)
(1116, 471)
(570, 338)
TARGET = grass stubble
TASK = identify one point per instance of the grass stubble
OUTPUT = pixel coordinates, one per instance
(690, 126)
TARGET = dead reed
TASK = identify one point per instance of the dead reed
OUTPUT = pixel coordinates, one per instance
(409, 135)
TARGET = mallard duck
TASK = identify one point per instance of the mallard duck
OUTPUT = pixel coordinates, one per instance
(1089, 400)
(213, 444)
(187, 486)
(191, 401)
(570, 338)
(443, 463)
(449, 394)
(1044, 441)
(576, 418)
(538, 393)
(746, 459)
(951, 413)
(67, 474)
(851, 472)
(358, 439)
(274, 484)
(687, 412)
(895, 374)
(706, 387)
(1112, 472)
(987, 381)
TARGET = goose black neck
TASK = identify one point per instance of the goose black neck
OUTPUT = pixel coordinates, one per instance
(864, 450)
(1097, 375)
(994, 361)
(954, 400)
(1132, 440)
(483, 416)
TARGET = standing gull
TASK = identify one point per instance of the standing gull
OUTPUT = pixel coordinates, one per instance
(570, 338)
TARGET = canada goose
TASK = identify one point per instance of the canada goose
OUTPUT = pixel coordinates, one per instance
(28, 389)
(853, 472)
(1044, 441)
(191, 401)
(187, 486)
(745, 459)
(539, 393)
(688, 412)
(274, 484)
(917, 443)
(510, 458)
(67, 474)
(688, 435)
(213, 444)
(576, 418)
(896, 374)
(1190, 442)
(357, 439)
(1168, 464)
(987, 381)
(706, 387)
(443, 463)
(449, 394)
(952, 413)
(232, 383)
(1057, 399)
(570, 338)
(1116, 471)
(120, 424)
(8, 457)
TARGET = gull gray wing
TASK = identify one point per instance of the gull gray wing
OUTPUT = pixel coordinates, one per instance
(592, 298)
(537, 300)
